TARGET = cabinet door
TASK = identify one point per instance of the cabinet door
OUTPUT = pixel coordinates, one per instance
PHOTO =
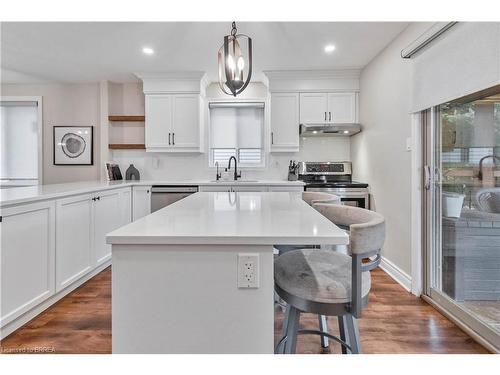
(342, 107)
(108, 216)
(313, 108)
(250, 188)
(158, 124)
(186, 122)
(26, 258)
(226, 188)
(287, 188)
(126, 206)
(141, 201)
(285, 122)
(73, 239)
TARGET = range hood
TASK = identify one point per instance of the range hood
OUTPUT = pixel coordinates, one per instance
(329, 130)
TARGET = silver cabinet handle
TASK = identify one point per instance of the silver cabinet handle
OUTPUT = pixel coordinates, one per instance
(169, 138)
(427, 177)
(330, 116)
(272, 138)
(325, 116)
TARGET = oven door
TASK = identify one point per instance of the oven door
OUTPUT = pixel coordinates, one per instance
(356, 197)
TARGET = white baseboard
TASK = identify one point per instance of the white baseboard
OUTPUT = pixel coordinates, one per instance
(401, 277)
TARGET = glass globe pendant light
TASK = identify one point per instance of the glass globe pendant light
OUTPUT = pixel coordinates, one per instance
(235, 66)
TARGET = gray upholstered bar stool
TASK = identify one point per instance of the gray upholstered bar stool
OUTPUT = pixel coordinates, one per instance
(311, 198)
(330, 283)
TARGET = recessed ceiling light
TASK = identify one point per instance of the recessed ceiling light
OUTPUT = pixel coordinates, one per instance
(346, 131)
(148, 50)
(329, 48)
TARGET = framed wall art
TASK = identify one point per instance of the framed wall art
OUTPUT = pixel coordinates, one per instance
(73, 145)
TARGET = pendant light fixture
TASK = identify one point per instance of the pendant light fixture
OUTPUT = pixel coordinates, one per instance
(235, 62)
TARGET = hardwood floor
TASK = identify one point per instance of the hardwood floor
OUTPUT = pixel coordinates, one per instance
(394, 322)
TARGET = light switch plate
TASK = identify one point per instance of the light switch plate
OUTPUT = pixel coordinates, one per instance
(248, 270)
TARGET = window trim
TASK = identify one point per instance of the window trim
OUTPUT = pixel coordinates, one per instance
(265, 130)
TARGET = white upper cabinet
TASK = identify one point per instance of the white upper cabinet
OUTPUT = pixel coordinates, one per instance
(174, 111)
(342, 107)
(313, 108)
(186, 122)
(338, 107)
(284, 122)
(158, 121)
(173, 123)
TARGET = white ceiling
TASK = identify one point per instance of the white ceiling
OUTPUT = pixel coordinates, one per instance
(90, 52)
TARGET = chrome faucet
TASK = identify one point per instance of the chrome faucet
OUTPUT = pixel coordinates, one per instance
(236, 175)
(217, 174)
(480, 174)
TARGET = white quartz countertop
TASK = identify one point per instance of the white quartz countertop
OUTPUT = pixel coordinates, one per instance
(34, 193)
(225, 218)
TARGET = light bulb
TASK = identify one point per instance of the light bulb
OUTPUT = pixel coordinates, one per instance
(241, 63)
(230, 62)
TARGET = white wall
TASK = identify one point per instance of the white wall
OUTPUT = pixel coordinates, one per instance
(64, 104)
(379, 153)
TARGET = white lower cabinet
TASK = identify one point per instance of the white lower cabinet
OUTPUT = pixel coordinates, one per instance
(251, 188)
(47, 246)
(233, 187)
(109, 213)
(293, 188)
(141, 201)
(74, 255)
(26, 258)
(126, 206)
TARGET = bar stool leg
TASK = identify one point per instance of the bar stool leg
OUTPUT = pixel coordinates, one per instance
(292, 328)
(285, 321)
(323, 327)
(342, 332)
(353, 333)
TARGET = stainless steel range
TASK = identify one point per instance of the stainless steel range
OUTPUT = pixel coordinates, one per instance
(335, 178)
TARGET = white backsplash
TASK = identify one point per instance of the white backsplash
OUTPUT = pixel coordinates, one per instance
(165, 166)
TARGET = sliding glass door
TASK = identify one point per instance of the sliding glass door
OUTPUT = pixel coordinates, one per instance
(462, 210)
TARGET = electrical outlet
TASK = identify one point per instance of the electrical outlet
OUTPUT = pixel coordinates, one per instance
(248, 270)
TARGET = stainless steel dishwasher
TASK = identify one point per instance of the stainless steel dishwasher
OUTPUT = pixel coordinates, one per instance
(164, 195)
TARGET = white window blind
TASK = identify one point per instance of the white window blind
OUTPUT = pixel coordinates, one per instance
(236, 129)
(19, 140)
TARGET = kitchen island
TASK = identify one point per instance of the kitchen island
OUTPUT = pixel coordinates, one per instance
(177, 278)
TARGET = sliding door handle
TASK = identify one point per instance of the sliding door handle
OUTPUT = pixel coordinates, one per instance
(329, 116)
(427, 177)
(169, 138)
(325, 116)
(173, 138)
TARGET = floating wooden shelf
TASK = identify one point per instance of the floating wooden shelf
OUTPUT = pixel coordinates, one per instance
(127, 146)
(126, 118)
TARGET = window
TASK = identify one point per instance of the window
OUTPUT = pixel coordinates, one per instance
(20, 151)
(237, 129)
